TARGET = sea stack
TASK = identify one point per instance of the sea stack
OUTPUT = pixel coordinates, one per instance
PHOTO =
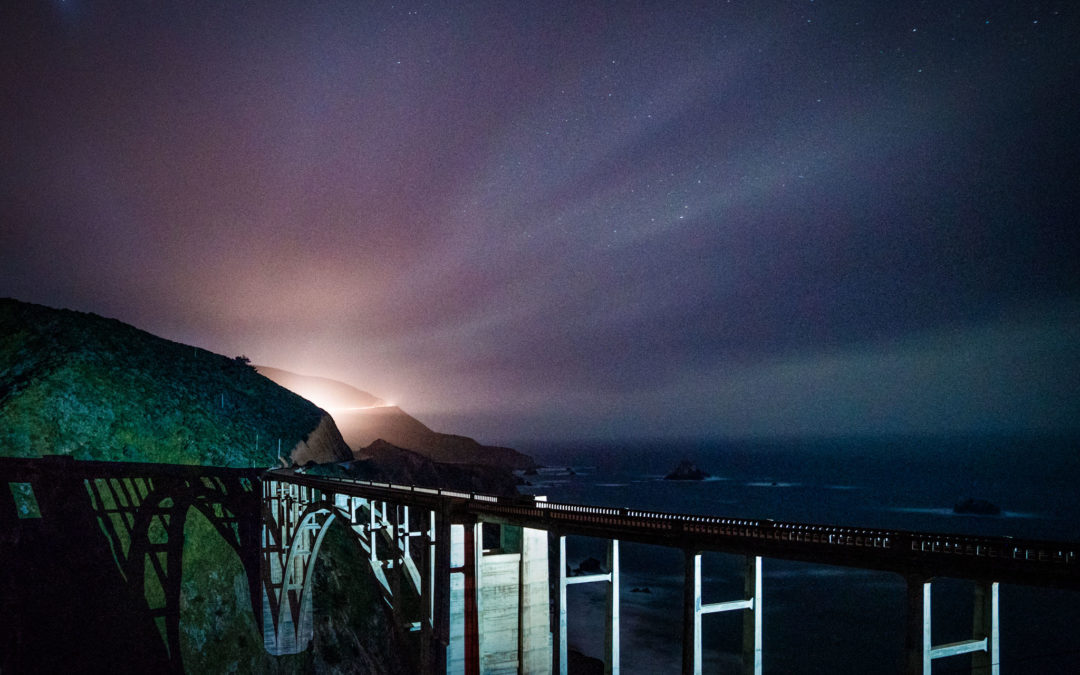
(979, 507)
(687, 470)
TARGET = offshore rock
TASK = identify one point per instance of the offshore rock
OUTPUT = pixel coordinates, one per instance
(979, 507)
(589, 565)
(686, 470)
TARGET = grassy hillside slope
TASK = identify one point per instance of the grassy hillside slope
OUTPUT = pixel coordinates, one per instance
(94, 388)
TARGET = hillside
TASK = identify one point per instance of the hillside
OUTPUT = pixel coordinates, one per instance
(364, 419)
(390, 423)
(78, 384)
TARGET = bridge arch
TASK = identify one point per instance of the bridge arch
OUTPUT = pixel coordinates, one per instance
(295, 527)
(309, 521)
(143, 518)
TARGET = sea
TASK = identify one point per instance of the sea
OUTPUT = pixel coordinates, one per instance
(818, 618)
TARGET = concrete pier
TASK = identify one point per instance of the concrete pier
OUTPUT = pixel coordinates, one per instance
(611, 623)
(751, 604)
(498, 602)
(983, 645)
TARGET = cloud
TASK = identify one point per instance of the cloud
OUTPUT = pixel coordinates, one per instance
(559, 213)
(1003, 376)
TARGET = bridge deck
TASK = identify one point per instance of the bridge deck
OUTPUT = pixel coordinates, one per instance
(926, 554)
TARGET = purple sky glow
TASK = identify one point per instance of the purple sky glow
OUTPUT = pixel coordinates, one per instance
(583, 219)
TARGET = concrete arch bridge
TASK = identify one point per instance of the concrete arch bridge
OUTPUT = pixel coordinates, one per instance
(500, 605)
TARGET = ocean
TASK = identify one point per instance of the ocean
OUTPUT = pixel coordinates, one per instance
(822, 619)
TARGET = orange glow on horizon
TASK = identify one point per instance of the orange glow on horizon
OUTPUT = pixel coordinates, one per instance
(360, 407)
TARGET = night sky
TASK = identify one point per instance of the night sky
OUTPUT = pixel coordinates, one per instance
(568, 220)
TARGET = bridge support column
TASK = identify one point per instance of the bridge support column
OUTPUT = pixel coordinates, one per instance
(752, 618)
(986, 623)
(611, 633)
(467, 552)
(691, 618)
(474, 551)
(751, 604)
(534, 625)
(611, 640)
(427, 598)
(396, 561)
(440, 594)
(984, 645)
(372, 528)
(559, 634)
